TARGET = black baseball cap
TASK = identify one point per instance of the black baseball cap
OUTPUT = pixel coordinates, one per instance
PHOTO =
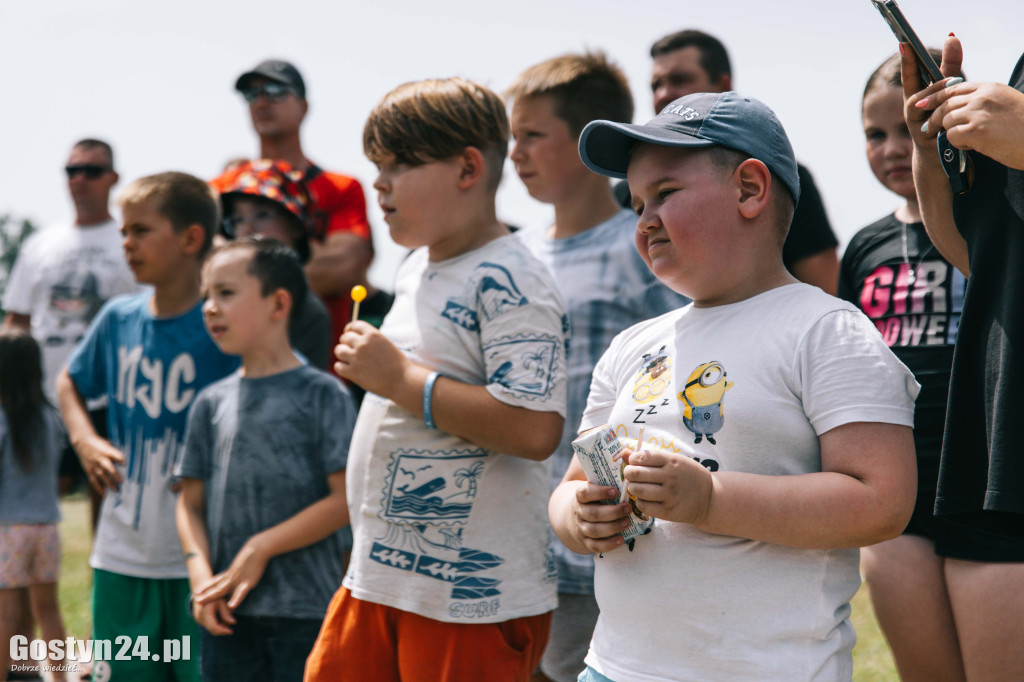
(276, 70)
(703, 119)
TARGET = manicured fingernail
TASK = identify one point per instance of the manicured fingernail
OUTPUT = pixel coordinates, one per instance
(953, 81)
(924, 128)
(922, 104)
(951, 35)
(902, 47)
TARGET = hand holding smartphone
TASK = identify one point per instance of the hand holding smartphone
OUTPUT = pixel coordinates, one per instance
(955, 162)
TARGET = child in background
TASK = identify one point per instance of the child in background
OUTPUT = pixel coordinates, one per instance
(31, 440)
(263, 488)
(269, 198)
(892, 271)
(784, 444)
(451, 575)
(601, 277)
(149, 354)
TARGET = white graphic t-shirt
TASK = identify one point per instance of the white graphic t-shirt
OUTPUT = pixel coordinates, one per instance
(63, 276)
(747, 387)
(442, 527)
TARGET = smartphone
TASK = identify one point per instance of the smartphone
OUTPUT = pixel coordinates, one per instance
(955, 162)
(890, 11)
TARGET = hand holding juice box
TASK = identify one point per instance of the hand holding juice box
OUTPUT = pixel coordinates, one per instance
(599, 452)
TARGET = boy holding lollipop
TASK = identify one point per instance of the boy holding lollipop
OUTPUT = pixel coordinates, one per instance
(450, 577)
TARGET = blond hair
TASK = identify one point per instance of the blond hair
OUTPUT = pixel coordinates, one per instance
(584, 87)
(183, 199)
(436, 120)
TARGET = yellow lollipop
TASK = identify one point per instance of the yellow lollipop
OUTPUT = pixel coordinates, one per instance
(358, 294)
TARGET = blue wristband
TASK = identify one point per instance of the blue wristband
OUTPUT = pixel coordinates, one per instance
(428, 391)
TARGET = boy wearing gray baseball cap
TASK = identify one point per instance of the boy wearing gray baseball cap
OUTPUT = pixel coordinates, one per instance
(780, 440)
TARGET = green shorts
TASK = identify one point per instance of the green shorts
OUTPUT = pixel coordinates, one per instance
(144, 619)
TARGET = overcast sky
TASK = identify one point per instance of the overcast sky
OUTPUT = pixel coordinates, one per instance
(156, 79)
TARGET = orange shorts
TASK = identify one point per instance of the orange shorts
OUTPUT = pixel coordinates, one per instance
(361, 640)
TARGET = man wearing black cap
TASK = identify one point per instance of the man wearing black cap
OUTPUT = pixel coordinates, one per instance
(342, 246)
(276, 95)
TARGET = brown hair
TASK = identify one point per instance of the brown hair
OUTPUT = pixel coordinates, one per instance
(92, 143)
(21, 394)
(584, 87)
(435, 120)
(714, 58)
(888, 72)
(274, 264)
(183, 199)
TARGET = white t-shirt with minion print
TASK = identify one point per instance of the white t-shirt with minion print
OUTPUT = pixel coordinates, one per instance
(747, 387)
(444, 528)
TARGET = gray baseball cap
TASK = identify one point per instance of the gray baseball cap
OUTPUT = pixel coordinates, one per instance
(703, 119)
(276, 70)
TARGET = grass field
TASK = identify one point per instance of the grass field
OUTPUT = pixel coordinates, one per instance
(872, 661)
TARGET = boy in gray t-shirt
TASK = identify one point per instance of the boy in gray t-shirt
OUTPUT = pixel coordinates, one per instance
(263, 494)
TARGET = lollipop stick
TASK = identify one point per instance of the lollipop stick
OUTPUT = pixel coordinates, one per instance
(358, 294)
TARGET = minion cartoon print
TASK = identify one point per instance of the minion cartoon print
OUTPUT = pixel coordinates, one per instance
(702, 397)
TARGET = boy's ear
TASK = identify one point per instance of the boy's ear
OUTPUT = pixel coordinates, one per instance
(472, 167)
(282, 305)
(192, 238)
(754, 181)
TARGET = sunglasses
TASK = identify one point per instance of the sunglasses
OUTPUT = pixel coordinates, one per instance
(89, 170)
(274, 91)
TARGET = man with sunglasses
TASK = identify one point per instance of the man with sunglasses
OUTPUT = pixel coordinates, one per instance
(341, 243)
(65, 273)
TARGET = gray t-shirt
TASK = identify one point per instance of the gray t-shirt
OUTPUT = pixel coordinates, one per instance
(30, 496)
(264, 447)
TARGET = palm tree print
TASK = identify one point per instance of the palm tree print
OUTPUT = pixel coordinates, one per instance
(537, 360)
(469, 475)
